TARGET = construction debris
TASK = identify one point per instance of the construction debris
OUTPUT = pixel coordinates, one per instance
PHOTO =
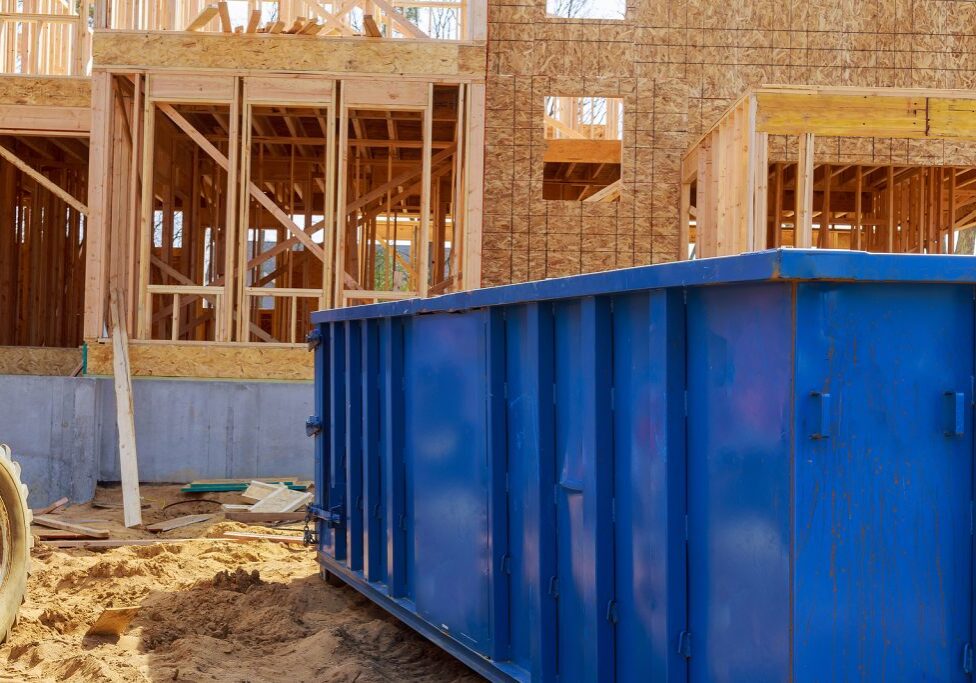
(232, 485)
(56, 505)
(177, 522)
(248, 517)
(246, 536)
(55, 523)
(282, 500)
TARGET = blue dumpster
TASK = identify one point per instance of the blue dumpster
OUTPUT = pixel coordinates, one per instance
(735, 470)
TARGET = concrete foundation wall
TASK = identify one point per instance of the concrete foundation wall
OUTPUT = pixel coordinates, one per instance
(192, 429)
(63, 431)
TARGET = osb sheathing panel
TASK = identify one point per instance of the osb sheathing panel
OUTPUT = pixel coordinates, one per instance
(31, 360)
(213, 361)
(679, 66)
(57, 91)
(287, 53)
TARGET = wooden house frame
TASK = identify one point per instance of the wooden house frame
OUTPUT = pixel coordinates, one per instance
(738, 196)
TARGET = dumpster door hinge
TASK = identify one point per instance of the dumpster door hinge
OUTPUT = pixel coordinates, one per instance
(684, 644)
(314, 339)
(313, 426)
(612, 612)
(506, 564)
(967, 659)
(554, 587)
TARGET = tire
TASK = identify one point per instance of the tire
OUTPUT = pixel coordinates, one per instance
(16, 541)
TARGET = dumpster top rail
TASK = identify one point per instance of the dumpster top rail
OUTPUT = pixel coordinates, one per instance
(775, 264)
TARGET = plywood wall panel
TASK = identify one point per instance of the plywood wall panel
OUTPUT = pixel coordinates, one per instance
(678, 66)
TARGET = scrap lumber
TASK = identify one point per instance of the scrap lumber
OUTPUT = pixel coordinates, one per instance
(177, 522)
(248, 517)
(234, 507)
(297, 25)
(282, 500)
(204, 18)
(253, 21)
(245, 536)
(57, 535)
(112, 621)
(56, 523)
(96, 544)
(234, 485)
(56, 505)
(277, 27)
(370, 27)
(311, 28)
(224, 11)
(128, 462)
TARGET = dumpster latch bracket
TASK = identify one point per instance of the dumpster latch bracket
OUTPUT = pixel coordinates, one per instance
(313, 426)
(823, 416)
(684, 644)
(314, 339)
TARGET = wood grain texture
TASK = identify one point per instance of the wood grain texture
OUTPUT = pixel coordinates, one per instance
(48, 91)
(28, 360)
(213, 51)
(217, 361)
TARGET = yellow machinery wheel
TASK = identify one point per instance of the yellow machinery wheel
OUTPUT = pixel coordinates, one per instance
(15, 541)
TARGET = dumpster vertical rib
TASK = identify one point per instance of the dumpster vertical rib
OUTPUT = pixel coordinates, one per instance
(393, 458)
(337, 440)
(372, 491)
(497, 451)
(540, 332)
(354, 446)
(597, 588)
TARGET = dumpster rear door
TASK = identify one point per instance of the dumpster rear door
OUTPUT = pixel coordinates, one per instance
(883, 482)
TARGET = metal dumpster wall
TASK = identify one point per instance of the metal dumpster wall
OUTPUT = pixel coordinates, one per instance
(489, 485)
(749, 469)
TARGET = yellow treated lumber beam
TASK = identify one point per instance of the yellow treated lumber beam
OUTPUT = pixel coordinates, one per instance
(856, 115)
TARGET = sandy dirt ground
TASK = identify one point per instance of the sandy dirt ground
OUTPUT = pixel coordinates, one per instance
(235, 612)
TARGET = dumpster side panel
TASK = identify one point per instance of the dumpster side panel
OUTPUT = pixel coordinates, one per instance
(445, 448)
(883, 482)
(532, 511)
(740, 370)
(649, 485)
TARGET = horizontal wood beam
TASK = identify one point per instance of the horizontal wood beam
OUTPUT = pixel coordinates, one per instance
(583, 151)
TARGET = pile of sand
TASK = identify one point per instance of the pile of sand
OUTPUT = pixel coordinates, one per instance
(209, 611)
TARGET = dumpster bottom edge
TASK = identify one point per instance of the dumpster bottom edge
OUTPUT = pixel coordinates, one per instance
(493, 671)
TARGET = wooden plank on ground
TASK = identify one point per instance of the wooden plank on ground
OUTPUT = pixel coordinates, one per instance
(112, 621)
(57, 535)
(96, 544)
(245, 536)
(248, 517)
(57, 523)
(128, 461)
(59, 503)
(177, 522)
